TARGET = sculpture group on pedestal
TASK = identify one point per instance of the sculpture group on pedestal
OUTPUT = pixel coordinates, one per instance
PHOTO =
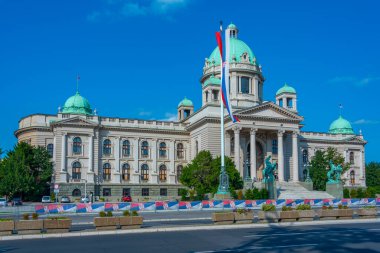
(268, 178)
(333, 175)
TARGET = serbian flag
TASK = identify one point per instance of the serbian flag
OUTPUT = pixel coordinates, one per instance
(225, 72)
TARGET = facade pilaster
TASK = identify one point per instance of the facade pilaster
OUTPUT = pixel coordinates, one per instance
(63, 152)
(237, 149)
(280, 157)
(295, 157)
(136, 169)
(253, 153)
(90, 171)
(116, 175)
(171, 172)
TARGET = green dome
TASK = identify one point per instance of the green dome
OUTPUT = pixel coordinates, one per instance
(212, 80)
(185, 102)
(286, 89)
(237, 49)
(341, 126)
(77, 105)
(231, 26)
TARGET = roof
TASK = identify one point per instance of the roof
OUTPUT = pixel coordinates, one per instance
(77, 105)
(341, 126)
(286, 89)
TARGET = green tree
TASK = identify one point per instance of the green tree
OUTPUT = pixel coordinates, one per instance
(25, 171)
(320, 166)
(372, 172)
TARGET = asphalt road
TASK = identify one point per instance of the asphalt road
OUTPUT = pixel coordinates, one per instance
(325, 238)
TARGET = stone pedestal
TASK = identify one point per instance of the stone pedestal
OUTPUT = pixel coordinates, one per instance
(222, 196)
(248, 184)
(272, 190)
(307, 185)
(335, 189)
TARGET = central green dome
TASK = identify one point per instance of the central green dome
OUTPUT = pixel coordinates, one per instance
(77, 105)
(185, 102)
(341, 126)
(237, 49)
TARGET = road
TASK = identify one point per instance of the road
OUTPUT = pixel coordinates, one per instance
(364, 237)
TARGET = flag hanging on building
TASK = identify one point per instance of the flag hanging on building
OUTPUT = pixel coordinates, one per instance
(225, 72)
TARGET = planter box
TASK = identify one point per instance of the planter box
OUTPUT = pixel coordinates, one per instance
(336, 214)
(243, 218)
(106, 223)
(7, 227)
(223, 218)
(366, 213)
(270, 216)
(24, 227)
(288, 216)
(130, 222)
(57, 226)
(306, 215)
(344, 214)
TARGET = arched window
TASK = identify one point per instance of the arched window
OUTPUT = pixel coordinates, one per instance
(107, 172)
(162, 173)
(179, 172)
(106, 147)
(77, 145)
(144, 172)
(126, 172)
(244, 85)
(274, 146)
(196, 147)
(180, 151)
(76, 174)
(76, 193)
(305, 156)
(126, 149)
(232, 145)
(352, 177)
(352, 158)
(144, 149)
(162, 150)
(50, 149)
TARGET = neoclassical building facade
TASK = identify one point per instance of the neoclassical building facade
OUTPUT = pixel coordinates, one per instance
(144, 158)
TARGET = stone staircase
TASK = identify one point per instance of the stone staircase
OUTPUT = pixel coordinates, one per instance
(292, 190)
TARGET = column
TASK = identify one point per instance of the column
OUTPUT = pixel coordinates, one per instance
(253, 153)
(280, 156)
(90, 153)
(237, 149)
(295, 157)
(256, 89)
(63, 153)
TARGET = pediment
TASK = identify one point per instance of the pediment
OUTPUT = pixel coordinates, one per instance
(75, 121)
(268, 110)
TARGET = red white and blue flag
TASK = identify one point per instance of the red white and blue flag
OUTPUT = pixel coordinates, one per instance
(225, 72)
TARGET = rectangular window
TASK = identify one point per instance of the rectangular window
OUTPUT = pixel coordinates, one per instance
(106, 192)
(126, 191)
(163, 192)
(215, 95)
(245, 85)
(274, 146)
(280, 103)
(145, 192)
(289, 103)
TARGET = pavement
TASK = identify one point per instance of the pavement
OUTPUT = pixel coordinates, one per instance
(316, 236)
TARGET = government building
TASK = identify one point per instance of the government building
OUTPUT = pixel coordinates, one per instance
(144, 158)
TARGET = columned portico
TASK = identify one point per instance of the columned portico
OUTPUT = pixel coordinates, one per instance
(295, 156)
(280, 167)
(237, 148)
(253, 153)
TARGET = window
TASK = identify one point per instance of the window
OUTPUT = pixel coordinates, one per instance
(352, 158)
(144, 149)
(77, 145)
(76, 175)
(126, 149)
(106, 147)
(126, 172)
(144, 172)
(145, 192)
(163, 192)
(305, 156)
(107, 172)
(245, 85)
(352, 177)
(274, 146)
(215, 95)
(289, 103)
(179, 172)
(126, 191)
(162, 150)
(76, 193)
(206, 96)
(280, 103)
(50, 149)
(107, 192)
(162, 173)
(180, 151)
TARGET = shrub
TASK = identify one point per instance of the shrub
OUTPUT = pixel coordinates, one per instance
(346, 193)
(327, 207)
(234, 194)
(4, 219)
(249, 194)
(242, 211)
(264, 194)
(240, 195)
(25, 216)
(35, 216)
(267, 207)
(183, 193)
(303, 207)
(58, 218)
(126, 213)
(101, 199)
(256, 193)
(340, 206)
(102, 214)
(353, 194)
(135, 213)
(360, 193)
(109, 214)
(287, 208)
(369, 207)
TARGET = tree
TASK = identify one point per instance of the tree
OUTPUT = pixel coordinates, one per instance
(372, 172)
(320, 166)
(202, 174)
(25, 171)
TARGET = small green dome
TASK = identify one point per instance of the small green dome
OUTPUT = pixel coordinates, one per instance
(341, 126)
(185, 102)
(286, 89)
(237, 49)
(231, 26)
(212, 80)
(77, 105)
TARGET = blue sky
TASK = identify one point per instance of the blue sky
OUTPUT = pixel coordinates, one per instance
(138, 59)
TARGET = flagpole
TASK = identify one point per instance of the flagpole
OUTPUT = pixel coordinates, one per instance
(221, 109)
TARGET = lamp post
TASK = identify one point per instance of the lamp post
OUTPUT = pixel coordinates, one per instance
(247, 176)
(85, 190)
(307, 165)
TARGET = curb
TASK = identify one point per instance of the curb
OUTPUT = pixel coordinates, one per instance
(188, 228)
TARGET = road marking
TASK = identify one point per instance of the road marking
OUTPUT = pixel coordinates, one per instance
(299, 233)
(258, 247)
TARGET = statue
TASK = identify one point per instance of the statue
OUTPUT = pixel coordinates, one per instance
(268, 172)
(333, 175)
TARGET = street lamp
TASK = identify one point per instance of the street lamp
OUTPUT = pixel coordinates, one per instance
(247, 176)
(85, 190)
(307, 165)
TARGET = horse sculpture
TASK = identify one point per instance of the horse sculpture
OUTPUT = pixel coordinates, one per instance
(268, 172)
(333, 175)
